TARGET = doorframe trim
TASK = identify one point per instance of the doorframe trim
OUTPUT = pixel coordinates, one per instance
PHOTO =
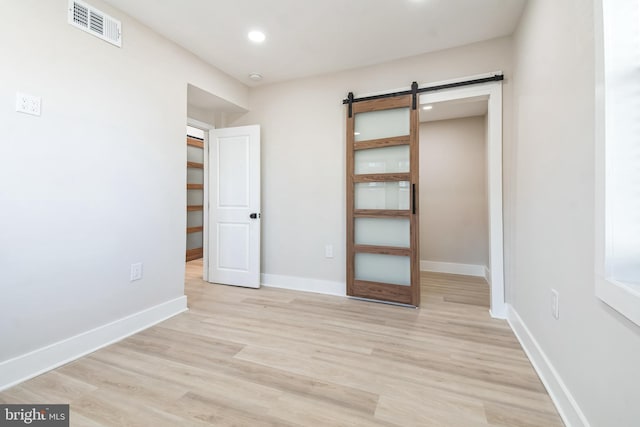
(492, 90)
(200, 125)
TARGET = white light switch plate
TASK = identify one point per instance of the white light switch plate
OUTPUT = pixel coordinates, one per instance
(28, 104)
(328, 251)
(555, 304)
(136, 271)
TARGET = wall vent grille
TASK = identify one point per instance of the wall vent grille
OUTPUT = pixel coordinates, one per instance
(95, 22)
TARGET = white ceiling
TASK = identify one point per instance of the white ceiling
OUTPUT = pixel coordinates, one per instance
(306, 37)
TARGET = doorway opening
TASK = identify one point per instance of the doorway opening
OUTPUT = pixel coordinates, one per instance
(454, 224)
(206, 112)
(489, 94)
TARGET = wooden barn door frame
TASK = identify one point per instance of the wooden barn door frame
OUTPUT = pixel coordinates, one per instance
(384, 292)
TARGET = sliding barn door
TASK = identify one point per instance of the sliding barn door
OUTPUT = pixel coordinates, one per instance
(382, 204)
(195, 196)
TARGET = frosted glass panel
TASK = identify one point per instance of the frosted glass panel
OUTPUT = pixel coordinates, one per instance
(382, 232)
(195, 176)
(382, 124)
(382, 195)
(382, 160)
(195, 154)
(195, 197)
(194, 219)
(194, 240)
(391, 269)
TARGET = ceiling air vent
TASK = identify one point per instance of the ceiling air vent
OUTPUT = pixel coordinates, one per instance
(95, 22)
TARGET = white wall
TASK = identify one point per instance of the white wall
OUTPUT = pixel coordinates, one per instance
(201, 114)
(303, 155)
(593, 349)
(453, 191)
(98, 181)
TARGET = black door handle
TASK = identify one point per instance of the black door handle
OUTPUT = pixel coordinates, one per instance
(254, 216)
(413, 198)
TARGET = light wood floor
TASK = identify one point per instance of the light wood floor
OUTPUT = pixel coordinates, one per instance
(244, 357)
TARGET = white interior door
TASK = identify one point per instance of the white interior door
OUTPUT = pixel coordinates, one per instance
(234, 213)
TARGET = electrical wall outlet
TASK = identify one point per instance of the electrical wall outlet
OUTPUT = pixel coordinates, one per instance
(328, 251)
(136, 271)
(28, 104)
(555, 304)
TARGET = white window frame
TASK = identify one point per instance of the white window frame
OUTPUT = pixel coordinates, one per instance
(623, 297)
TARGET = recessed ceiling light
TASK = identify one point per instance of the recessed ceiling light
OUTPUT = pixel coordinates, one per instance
(256, 77)
(256, 36)
(427, 107)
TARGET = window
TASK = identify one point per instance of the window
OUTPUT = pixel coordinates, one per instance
(618, 156)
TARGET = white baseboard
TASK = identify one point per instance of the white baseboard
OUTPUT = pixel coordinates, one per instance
(453, 268)
(568, 408)
(487, 274)
(499, 312)
(305, 284)
(26, 366)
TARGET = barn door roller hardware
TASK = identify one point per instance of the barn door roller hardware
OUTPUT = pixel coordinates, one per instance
(415, 91)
